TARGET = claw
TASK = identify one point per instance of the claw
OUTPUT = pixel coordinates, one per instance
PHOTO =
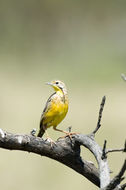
(51, 141)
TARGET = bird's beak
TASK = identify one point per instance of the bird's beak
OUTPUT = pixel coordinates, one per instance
(49, 83)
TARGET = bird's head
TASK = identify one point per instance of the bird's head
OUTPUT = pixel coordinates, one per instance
(58, 86)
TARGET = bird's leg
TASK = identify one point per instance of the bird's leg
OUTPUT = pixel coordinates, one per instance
(48, 138)
(59, 130)
(67, 133)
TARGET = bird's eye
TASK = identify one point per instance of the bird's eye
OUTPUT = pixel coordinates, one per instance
(57, 82)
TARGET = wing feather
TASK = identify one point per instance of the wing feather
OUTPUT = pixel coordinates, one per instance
(47, 107)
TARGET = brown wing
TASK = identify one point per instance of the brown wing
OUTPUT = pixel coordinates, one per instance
(47, 107)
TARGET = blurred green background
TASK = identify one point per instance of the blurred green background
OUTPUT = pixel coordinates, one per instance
(80, 42)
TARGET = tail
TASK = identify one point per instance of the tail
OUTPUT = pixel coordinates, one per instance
(41, 130)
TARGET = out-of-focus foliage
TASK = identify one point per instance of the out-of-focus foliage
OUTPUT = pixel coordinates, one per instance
(82, 43)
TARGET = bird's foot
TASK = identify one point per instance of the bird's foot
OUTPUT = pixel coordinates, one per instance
(68, 134)
(52, 142)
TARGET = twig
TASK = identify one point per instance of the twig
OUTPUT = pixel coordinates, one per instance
(104, 151)
(100, 114)
(117, 150)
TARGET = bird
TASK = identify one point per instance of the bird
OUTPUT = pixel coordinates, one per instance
(55, 109)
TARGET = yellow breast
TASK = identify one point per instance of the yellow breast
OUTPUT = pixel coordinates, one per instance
(57, 111)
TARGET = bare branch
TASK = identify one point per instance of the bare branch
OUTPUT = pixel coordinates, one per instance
(117, 179)
(100, 115)
(104, 173)
(67, 151)
(63, 151)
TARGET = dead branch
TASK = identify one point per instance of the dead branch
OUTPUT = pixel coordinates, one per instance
(67, 151)
(117, 179)
(63, 151)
